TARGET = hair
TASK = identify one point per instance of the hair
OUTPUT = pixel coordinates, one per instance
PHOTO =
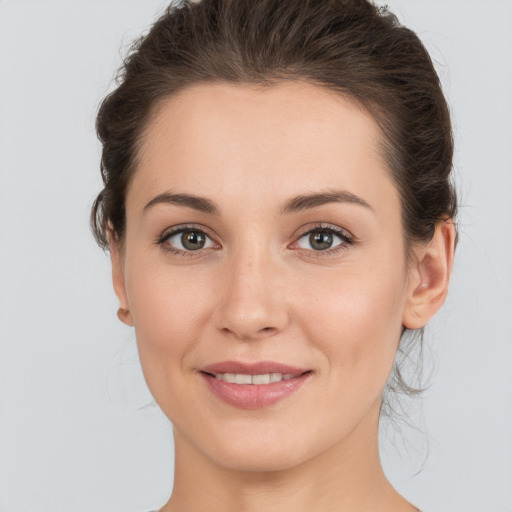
(351, 47)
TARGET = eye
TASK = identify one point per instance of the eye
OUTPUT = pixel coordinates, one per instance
(323, 239)
(188, 240)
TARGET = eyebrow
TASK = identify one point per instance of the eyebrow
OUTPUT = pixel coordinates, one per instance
(306, 201)
(200, 204)
(296, 204)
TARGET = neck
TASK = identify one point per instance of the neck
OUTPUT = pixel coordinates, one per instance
(344, 478)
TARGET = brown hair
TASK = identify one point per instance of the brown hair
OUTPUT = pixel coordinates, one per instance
(349, 46)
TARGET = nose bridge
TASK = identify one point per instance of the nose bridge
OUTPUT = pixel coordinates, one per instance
(252, 305)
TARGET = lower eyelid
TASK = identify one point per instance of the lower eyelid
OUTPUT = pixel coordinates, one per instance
(345, 240)
(209, 241)
(342, 238)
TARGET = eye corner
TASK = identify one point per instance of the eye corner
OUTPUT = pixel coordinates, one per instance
(325, 245)
(202, 238)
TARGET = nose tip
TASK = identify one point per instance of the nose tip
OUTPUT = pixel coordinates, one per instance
(251, 306)
(246, 329)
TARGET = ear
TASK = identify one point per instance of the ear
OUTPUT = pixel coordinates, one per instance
(116, 257)
(429, 276)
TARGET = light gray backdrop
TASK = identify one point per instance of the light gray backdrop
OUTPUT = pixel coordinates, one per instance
(76, 431)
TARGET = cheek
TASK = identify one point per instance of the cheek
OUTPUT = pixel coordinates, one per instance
(169, 310)
(355, 317)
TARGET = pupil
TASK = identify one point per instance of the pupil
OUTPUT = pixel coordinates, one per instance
(320, 240)
(192, 240)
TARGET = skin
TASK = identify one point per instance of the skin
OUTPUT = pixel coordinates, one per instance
(259, 291)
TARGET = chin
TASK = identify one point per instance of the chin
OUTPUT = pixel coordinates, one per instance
(258, 460)
(260, 450)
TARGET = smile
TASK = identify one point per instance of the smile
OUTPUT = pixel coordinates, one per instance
(253, 385)
(244, 378)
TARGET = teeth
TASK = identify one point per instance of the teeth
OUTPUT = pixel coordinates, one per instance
(262, 379)
(242, 378)
(276, 377)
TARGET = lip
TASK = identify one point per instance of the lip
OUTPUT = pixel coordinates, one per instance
(253, 396)
(252, 368)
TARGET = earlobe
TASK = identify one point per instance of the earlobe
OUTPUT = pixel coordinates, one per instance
(118, 280)
(430, 276)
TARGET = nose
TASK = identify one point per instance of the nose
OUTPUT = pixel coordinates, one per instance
(251, 302)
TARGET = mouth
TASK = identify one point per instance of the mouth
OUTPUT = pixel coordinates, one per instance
(262, 378)
(253, 386)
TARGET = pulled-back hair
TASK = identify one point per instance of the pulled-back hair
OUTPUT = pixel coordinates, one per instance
(348, 46)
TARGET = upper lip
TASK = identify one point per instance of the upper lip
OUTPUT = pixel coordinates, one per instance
(257, 368)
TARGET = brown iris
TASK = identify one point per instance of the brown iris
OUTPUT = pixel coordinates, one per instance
(193, 240)
(320, 240)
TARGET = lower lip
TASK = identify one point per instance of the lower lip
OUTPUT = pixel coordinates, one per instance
(253, 396)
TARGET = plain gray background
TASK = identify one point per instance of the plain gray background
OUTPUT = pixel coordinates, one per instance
(78, 430)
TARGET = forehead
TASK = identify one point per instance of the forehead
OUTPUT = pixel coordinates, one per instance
(232, 139)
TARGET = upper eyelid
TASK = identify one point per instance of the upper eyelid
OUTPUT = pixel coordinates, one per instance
(301, 232)
(326, 227)
(185, 227)
(163, 240)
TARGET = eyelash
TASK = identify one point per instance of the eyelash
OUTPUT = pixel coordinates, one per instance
(162, 240)
(345, 237)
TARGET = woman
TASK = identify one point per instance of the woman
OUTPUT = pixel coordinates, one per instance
(279, 214)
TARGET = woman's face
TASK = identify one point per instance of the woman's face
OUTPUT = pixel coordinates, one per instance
(264, 238)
